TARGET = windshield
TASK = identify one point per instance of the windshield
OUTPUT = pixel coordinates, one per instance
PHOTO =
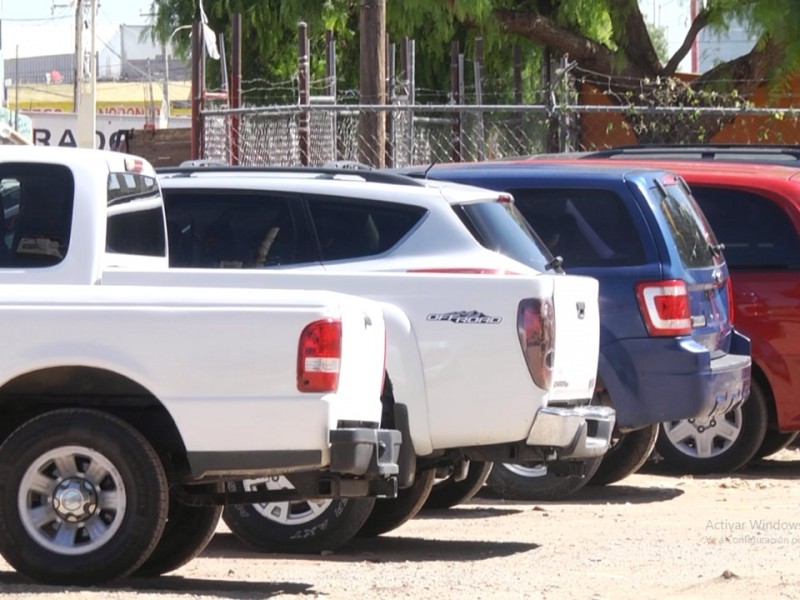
(500, 227)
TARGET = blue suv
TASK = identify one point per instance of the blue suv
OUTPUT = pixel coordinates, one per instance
(668, 349)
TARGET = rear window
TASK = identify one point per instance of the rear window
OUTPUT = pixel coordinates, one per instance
(135, 216)
(500, 227)
(757, 233)
(586, 227)
(37, 214)
(350, 229)
(690, 231)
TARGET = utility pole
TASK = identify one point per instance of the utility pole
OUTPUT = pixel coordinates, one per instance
(85, 74)
(372, 71)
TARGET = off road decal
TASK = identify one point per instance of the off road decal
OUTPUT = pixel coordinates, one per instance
(465, 316)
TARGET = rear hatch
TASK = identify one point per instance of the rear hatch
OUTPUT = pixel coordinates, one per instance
(575, 298)
(696, 258)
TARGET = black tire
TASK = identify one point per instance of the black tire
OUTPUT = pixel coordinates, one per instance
(628, 452)
(188, 531)
(302, 527)
(726, 443)
(390, 513)
(536, 482)
(774, 442)
(109, 473)
(447, 492)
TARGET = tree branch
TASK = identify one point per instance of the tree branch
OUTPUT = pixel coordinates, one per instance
(699, 23)
(589, 53)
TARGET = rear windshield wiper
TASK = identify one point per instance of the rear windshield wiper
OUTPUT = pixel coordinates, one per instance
(555, 264)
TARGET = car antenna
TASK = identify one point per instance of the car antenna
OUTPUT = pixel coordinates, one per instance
(433, 164)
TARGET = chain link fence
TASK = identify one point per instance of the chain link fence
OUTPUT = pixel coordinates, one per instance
(423, 134)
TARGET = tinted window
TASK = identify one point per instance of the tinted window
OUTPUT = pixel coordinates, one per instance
(350, 229)
(37, 214)
(135, 215)
(587, 228)
(490, 224)
(230, 230)
(690, 232)
(756, 232)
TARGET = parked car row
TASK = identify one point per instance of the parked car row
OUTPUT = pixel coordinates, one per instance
(547, 323)
(650, 370)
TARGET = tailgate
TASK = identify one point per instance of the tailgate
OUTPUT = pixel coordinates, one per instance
(577, 336)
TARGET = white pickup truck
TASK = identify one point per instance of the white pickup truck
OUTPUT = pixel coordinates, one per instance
(125, 409)
(492, 353)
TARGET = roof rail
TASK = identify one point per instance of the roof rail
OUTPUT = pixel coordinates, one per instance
(762, 153)
(190, 168)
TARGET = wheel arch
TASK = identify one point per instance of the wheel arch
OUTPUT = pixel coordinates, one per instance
(406, 377)
(74, 386)
(759, 377)
(779, 381)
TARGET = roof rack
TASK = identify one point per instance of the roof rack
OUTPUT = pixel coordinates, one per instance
(368, 174)
(762, 153)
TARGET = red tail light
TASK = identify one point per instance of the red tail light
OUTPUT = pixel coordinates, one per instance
(458, 271)
(536, 328)
(729, 289)
(665, 307)
(319, 356)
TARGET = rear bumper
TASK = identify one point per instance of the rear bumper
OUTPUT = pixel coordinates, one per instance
(363, 462)
(666, 379)
(573, 433)
(362, 452)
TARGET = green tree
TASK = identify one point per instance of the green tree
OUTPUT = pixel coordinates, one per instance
(608, 40)
(269, 32)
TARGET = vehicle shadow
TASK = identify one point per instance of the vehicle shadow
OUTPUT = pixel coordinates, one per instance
(765, 468)
(466, 511)
(12, 584)
(591, 494)
(382, 549)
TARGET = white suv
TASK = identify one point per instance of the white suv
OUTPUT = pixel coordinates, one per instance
(492, 350)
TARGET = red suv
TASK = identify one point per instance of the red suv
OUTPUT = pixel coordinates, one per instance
(754, 210)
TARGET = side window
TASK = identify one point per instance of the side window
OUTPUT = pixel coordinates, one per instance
(587, 228)
(757, 233)
(234, 231)
(352, 229)
(135, 216)
(37, 214)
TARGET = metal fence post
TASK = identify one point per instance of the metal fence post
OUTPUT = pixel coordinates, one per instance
(455, 136)
(303, 91)
(330, 88)
(236, 86)
(481, 134)
(390, 100)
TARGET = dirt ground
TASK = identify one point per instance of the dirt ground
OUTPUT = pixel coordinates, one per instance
(649, 536)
